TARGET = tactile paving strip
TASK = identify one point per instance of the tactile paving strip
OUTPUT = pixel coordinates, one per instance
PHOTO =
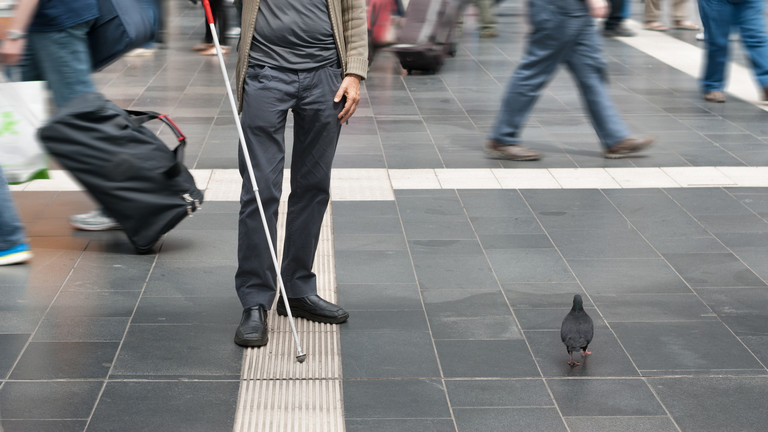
(277, 393)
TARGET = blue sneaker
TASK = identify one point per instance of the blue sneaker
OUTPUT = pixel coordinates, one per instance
(15, 255)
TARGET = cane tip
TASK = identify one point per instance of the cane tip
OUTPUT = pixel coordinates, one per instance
(301, 358)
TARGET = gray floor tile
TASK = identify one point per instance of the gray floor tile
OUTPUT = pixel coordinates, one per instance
(167, 406)
(707, 201)
(11, 346)
(199, 245)
(395, 399)
(400, 425)
(743, 397)
(43, 425)
(595, 397)
(567, 200)
(373, 267)
(743, 310)
(733, 223)
(485, 359)
(608, 358)
(462, 303)
(498, 393)
(179, 351)
(508, 230)
(435, 272)
(486, 327)
(82, 329)
(652, 307)
(713, 270)
(508, 419)
(402, 354)
(369, 242)
(759, 347)
(65, 360)
(635, 276)
(541, 295)
(685, 347)
(116, 304)
(391, 320)
(453, 227)
(529, 265)
(493, 203)
(48, 400)
(21, 308)
(445, 248)
(188, 310)
(379, 297)
(609, 424)
(182, 278)
(97, 276)
(601, 243)
(587, 220)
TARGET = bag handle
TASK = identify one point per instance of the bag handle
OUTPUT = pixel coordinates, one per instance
(141, 117)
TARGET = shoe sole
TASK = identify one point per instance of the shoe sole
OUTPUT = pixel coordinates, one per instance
(16, 258)
(312, 317)
(249, 343)
(492, 154)
(96, 227)
(625, 154)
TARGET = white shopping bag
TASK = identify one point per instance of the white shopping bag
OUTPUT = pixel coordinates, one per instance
(23, 108)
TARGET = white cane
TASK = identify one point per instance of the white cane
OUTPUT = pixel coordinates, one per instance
(209, 16)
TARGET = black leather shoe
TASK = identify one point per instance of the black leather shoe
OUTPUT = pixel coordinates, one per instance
(313, 308)
(253, 331)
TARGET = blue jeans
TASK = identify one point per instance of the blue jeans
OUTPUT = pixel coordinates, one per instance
(563, 32)
(63, 59)
(269, 93)
(11, 229)
(749, 17)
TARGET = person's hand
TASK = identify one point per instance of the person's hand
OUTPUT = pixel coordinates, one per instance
(11, 50)
(349, 89)
(598, 8)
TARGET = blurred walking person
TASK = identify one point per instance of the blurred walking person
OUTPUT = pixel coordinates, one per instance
(49, 39)
(14, 248)
(718, 17)
(563, 31)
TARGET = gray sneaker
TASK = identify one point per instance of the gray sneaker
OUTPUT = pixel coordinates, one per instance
(94, 221)
(510, 152)
(627, 147)
(714, 96)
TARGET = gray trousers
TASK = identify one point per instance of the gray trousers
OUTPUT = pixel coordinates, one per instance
(268, 95)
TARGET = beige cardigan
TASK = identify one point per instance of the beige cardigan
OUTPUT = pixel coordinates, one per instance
(350, 29)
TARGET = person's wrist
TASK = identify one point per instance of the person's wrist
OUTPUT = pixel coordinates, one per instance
(13, 35)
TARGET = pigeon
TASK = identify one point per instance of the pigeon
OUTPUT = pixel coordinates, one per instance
(577, 330)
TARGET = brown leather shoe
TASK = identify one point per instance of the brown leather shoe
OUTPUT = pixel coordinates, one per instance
(627, 147)
(510, 152)
(715, 96)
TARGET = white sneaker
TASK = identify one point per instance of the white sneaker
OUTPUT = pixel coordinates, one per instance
(94, 221)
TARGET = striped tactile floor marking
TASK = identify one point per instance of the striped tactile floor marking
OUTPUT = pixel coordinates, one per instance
(277, 393)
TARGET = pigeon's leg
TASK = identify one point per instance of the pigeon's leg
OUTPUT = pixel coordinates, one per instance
(585, 353)
(571, 361)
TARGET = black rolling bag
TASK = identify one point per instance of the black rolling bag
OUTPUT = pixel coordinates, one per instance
(427, 36)
(135, 176)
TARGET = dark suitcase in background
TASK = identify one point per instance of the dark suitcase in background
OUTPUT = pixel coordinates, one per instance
(427, 36)
(133, 174)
